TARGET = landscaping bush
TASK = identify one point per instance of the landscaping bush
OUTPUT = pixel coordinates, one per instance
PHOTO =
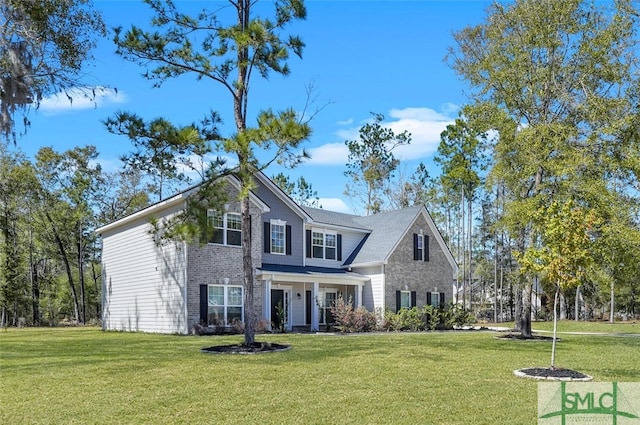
(348, 320)
(426, 318)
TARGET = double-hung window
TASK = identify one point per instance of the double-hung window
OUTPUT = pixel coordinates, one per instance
(420, 247)
(405, 299)
(227, 228)
(224, 305)
(317, 242)
(328, 300)
(330, 246)
(278, 240)
(324, 244)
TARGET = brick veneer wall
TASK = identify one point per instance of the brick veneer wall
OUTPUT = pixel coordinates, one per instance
(406, 274)
(211, 264)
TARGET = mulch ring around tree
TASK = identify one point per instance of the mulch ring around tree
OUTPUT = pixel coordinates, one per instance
(516, 336)
(255, 348)
(551, 374)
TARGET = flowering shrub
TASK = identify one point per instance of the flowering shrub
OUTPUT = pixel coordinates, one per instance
(348, 320)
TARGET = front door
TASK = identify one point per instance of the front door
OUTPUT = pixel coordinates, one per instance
(279, 309)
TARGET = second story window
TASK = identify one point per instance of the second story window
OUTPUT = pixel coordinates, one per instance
(317, 242)
(330, 246)
(277, 237)
(228, 228)
(324, 245)
(420, 247)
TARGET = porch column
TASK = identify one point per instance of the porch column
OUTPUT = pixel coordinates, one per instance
(315, 312)
(358, 296)
(266, 304)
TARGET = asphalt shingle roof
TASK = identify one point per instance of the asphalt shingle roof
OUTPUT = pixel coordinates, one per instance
(385, 230)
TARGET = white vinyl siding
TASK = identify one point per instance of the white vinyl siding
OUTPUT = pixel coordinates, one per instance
(143, 284)
(373, 292)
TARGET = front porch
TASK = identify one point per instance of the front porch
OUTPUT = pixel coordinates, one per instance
(300, 298)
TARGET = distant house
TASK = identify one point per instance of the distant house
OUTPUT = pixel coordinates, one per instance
(304, 259)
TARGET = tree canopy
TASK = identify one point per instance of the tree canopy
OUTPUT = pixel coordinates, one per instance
(43, 47)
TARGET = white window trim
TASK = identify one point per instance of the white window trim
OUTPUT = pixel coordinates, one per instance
(226, 304)
(420, 247)
(323, 303)
(324, 246)
(435, 299)
(224, 228)
(401, 297)
(283, 224)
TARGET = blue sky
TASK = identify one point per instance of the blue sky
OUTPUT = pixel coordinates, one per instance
(361, 56)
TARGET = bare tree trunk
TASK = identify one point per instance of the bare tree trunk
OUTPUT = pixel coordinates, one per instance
(517, 304)
(67, 266)
(35, 292)
(555, 326)
(96, 278)
(83, 298)
(495, 264)
(247, 267)
(525, 320)
(470, 247)
(35, 285)
(577, 304)
(613, 304)
(461, 236)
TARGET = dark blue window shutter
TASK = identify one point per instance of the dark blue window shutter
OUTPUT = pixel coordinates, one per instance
(398, 301)
(204, 304)
(428, 297)
(441, 299)
(288, 240)
(339, 247)
(267, 237)
(413, 298)
(416, 253)
(426, 247)
(308, 243)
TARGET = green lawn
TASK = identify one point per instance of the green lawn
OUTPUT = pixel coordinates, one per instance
(85, 376)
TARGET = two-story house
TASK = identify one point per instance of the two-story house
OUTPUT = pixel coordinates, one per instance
(304, 259)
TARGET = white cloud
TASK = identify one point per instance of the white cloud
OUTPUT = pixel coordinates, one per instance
(345, 122)
(79, 98)
(334, 204)
(424, 124)
(329, 154)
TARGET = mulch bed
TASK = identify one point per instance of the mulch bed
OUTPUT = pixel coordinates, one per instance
(552, 374)
(255, 348)
(519, 337)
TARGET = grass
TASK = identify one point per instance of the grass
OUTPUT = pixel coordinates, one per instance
(632, 327)
(84, 375)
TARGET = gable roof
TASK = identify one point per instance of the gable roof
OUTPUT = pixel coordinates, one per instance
(384, 230)
(177, 199)
(332, 218)
(387, 230)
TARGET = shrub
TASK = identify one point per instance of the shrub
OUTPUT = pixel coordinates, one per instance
(391, 321)
(348, 320)
(431, 317)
